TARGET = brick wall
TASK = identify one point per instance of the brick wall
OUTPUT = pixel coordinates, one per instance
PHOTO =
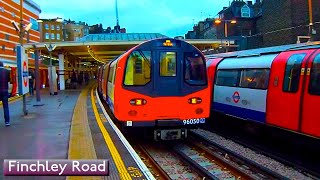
(276, 17)
(282, 21)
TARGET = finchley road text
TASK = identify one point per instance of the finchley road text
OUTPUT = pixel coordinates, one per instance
(56, 167)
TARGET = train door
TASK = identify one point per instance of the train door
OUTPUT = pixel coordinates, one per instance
(285, 89)
(110, 84)
(310, 122)
(211, 72)
(104, 84)
(167, 73)
(99, 79)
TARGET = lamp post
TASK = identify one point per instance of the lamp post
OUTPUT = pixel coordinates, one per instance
(21, 31)
(218, 21)
(310, 34)
(36, 53)
(21, 34)
(50, 48)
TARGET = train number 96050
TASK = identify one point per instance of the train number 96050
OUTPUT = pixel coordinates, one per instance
(194, 121)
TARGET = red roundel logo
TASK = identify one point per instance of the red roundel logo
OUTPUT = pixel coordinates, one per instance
(25, 77)
(236, 97)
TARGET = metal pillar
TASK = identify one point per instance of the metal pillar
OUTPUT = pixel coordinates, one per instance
(310, 33)
(79, 66)
(37, 76)
(50, 68)
(61, 72)
(21, 34)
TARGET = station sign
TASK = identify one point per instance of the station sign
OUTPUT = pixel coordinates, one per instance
(23, 74)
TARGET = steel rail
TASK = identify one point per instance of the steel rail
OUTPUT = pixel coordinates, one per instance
(194, 165)
(158, 171)
(256, 168)
(282, 158)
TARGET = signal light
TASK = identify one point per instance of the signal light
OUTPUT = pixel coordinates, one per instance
(195, 100)
(138, 102)
(168, 43)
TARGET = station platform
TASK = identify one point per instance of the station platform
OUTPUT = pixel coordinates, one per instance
(70, 125)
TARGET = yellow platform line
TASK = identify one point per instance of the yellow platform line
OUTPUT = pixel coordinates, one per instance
(123, 173)
(12, 99)
(80, 143)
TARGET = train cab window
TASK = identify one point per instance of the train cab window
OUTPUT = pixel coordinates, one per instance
(255, 78)
(168, 64)
(314, 85)
(228, 77)
(195, 69)
(138, 68)
(292, 73)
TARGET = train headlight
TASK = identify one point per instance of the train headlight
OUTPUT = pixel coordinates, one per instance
(195, 100)
(138, 102)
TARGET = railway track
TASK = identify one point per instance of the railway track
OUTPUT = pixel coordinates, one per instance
(156, 169)
(273, 150)
(246, 168)
(198, 159)
(165, 163)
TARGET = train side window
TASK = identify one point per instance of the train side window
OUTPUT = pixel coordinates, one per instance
(228, 77)
(314, 85)
(110, 77)
(105, 72)
(168, 64)
(195, 69)
(255, 78)
(292, 73)
(138, 68)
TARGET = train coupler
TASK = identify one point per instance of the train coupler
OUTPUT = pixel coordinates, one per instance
(170, 134)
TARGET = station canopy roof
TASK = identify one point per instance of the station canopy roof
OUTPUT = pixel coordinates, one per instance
(95, 48)
(122, 37)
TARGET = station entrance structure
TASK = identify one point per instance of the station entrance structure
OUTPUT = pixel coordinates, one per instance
(89, 52)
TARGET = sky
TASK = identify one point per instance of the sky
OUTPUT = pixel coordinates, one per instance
(167, 17)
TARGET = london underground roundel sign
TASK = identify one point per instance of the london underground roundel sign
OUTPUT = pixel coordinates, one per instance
(25, 75)
(236, 96)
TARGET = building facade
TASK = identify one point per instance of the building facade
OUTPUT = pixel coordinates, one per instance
(244, 30)
(245, 15)
(98, 29)
(203, 30)
(283, 21)
(51, 31)
(9, 38)
(73, 31)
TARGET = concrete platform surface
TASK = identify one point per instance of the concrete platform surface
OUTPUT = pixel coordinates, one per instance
(42, 134)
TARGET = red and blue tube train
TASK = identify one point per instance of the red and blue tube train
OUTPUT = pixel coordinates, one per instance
(161, 83)
(275, 86)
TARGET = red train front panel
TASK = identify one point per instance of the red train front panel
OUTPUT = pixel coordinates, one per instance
(161, 83)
